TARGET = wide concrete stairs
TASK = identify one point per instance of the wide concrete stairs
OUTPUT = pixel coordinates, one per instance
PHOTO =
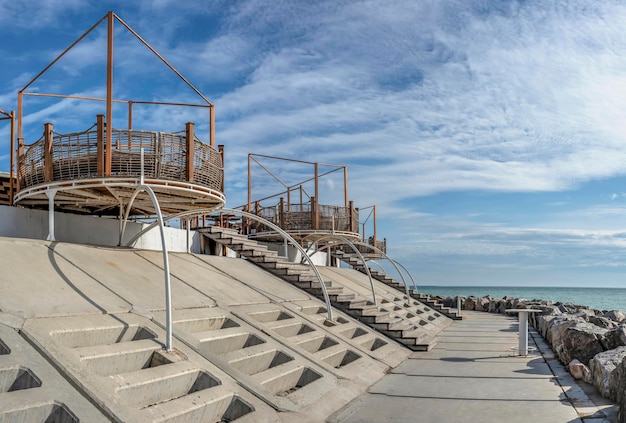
(355, 262)
(406, 320)
(83, 336)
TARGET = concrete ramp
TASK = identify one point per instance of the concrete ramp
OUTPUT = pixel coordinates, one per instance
(31, 390)
(248, 346)
(119, 361)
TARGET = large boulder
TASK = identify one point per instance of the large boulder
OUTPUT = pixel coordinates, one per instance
(582, 341)
(605, 377)
(614, 338)
(494, 305)
(541, 322)
(482, 304)
(557, 328)
(469, 303)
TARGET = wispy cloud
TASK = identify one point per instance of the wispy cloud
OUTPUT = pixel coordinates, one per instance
(417, 98)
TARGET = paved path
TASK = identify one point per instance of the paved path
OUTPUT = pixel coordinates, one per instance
(474, 375)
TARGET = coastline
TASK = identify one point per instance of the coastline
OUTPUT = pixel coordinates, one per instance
(590, 343)
(607, 298)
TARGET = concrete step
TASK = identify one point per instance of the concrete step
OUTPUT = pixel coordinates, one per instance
(337, 356)
(256, 359)
(122, 357)
(154, 385)
(208, 405)
(285, 379)
(226, 340)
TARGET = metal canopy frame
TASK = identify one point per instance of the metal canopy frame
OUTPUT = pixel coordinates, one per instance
(110, 17)
(10, 116)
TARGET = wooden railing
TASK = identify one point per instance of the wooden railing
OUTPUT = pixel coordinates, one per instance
(167, 156)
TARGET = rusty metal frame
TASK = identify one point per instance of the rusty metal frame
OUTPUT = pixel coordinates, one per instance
(10, 116)
(110, 17)
(288, 188)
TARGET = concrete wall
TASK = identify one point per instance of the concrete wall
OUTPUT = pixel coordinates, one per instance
(19, 222)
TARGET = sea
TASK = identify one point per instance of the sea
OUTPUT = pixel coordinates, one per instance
(596, 298)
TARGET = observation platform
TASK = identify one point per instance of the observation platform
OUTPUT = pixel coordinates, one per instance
(84, 176)
(307, 223)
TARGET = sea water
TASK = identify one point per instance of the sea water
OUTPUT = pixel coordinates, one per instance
(596, 298)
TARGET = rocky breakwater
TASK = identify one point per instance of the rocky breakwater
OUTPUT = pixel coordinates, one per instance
(590, 343)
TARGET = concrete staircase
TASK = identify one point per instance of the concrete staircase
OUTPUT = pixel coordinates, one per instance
(354, 261)
(393, 325)
(120, 362)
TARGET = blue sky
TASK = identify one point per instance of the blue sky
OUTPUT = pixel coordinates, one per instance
(489, 134)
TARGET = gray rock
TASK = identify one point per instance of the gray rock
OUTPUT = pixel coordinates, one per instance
(614, 338)
(580, 371)
(605, 377)
(582, 342)
(615, 315)
(469, 303)
(557, 328)
(482, 304)
(602, 322)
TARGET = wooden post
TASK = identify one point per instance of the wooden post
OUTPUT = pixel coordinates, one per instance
(20, 162)
(130, 115)
(190, 135)
(47, 152)
(100, 145)
(314, 216)
(220, 149)
(281, 213)
(351, 215)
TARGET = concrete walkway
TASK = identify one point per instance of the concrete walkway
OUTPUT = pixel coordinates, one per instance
(474, 375)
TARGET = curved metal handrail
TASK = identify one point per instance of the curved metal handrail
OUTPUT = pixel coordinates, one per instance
(356, 250)
(261, 220)
(382, 253)
(166, 262)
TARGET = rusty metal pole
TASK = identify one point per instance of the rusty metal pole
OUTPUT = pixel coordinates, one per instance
(249, 191)
(375, 227)
(317, 198)
(281, 213)
(12, 158)
(109, 103)
(20, 139)
(212, 123)
(190, 135)
(345, 185)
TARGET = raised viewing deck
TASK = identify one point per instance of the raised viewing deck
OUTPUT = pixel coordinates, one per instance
(184, 172)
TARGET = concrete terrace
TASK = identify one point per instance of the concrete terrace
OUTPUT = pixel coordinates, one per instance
(82, 336)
